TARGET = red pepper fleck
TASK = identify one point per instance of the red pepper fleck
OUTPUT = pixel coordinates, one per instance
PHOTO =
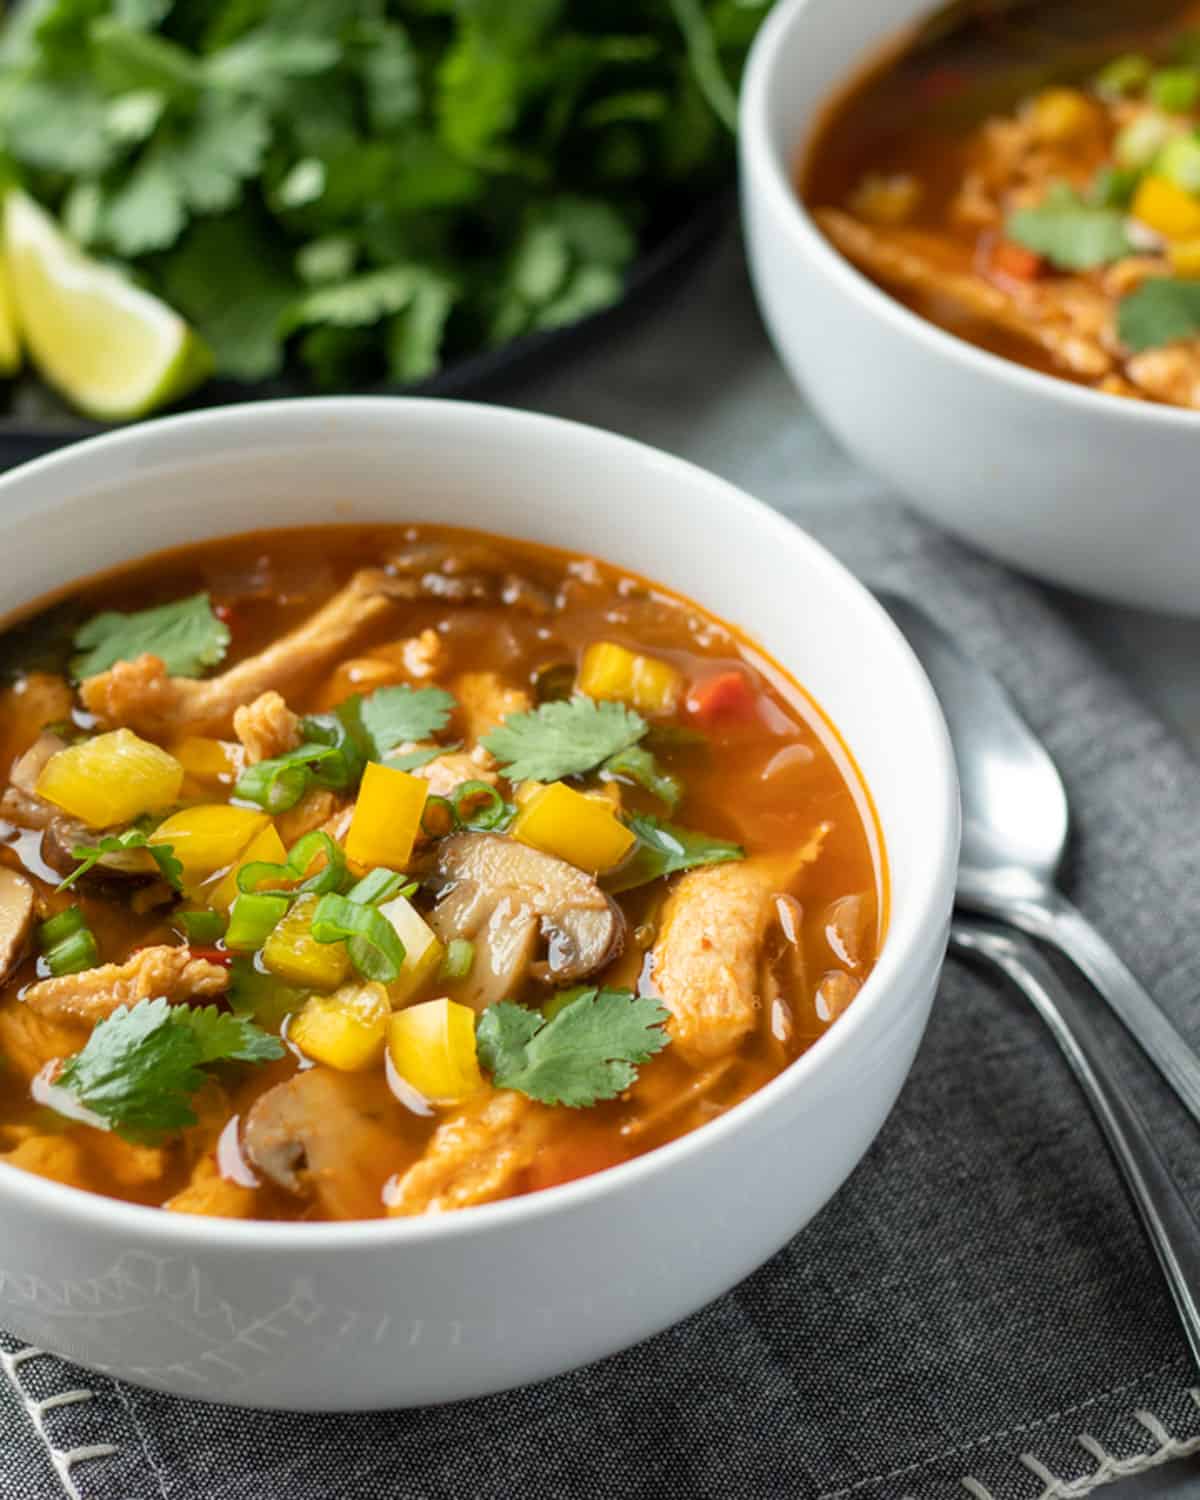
(1004, 258)
(728, 696)
(212, 955)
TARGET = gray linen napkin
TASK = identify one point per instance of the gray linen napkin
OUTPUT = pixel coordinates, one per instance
(977, 1311)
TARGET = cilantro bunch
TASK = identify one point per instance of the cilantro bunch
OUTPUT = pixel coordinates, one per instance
(367, 188)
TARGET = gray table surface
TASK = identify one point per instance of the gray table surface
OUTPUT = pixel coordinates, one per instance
(696, 375)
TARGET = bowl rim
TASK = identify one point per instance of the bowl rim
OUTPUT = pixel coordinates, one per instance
(766, 161)
(82, 466)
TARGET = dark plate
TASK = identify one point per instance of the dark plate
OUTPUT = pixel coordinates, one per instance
(38, 422)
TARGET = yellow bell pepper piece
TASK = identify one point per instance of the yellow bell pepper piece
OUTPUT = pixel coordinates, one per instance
(346, 1030)
(645, 683)
(213, 762)
(387, 817)
(112, 779)
(581, 829)
(1184, 256)
(423, 949)
(295, 955)
(886, 200)
(1165, 207)
(266, 845)
(208, 838)
(432, 1047)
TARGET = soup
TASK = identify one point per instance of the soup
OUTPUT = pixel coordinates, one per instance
(1031, 182)
(348, 873)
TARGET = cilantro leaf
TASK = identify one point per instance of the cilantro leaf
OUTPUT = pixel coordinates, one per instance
(186, 635)
(90, 855)
(1158, 312)
(392, 716)
(140, 1067)
(588, 1052)
(1073, 234)
(564, 738)
(639, 766)
(361, 300)
(665, 849)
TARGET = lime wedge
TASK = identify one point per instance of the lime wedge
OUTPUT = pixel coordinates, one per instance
(10, 342)
(113, 350)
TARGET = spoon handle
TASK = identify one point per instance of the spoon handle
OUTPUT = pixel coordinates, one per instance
(1054, 920)
(1164, 1211)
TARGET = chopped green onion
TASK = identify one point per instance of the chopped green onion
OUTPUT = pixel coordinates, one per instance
(1179, 160)
(300, 856)
(494, 812)
(202, 927)
(1124, 75)
(1175, 89)
(372, 942)
(342, 766)
(444, 806)
(68, 944)
(460, 955)
(1139, 142)
(252, 919)
(276, 785)
(378, 886)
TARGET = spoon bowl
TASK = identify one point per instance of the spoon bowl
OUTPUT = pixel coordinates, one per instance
(1015, 827)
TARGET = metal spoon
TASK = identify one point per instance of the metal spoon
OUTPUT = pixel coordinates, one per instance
(1015, 822)
(1160, 1202)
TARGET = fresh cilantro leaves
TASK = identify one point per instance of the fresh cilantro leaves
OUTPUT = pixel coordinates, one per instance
(186, 635)
(638, 765)
(588, 1052)
(485, 169)
(140, 1067)
(1073, 234)
(393, 716)
(664, 849)
(1158, 312)
(563, 738)
(90, 856)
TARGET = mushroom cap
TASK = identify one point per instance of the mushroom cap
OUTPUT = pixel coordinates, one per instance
(18, 904)
(504, 895)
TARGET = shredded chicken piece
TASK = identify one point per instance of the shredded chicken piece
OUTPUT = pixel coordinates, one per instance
(1060, 319)
(475, 1156)
(267, 727)
(140, 695)
(29, 1041)
(211, 1194)
(151, 972)
(1169, 374)
(448, 772)
(57, 1157)
(419, 656)
(1134, 271)
(129, 1164)
(314, 810)
(706, 962)
(485, 701)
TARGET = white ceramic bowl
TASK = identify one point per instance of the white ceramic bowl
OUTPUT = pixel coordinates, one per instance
(1079, 488)
(357, 1315)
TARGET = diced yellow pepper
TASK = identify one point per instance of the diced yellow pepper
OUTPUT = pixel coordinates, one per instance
(583, 830)
(214, 762)
(111, 779)
(423, 949)
(1062, 115)
(432, 1047)
(208, 838)
(1165, 207)
(645, 683)
(346, 1030)
(295, 955)
(266, 845)
(1184, 256)
(387, 817)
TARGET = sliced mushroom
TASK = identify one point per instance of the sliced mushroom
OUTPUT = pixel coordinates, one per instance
(325, 1134)
(63, 835)
(17, 905)
(505, 896)
(29, 767)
